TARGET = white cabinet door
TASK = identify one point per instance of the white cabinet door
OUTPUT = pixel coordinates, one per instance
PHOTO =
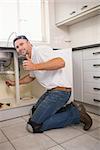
(88, 4)
(68, 10)
(91, 65)
(86, 76)
(65, 9)
(77, 75)
(91, 53)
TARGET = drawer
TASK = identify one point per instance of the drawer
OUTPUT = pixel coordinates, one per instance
(91, 65)
(91, 53)
(92, 88)
(93, 99)
(93, 77)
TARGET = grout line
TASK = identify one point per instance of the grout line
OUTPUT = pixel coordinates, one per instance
(50, 138)
(56, 145)
(8, 139)
(93, 137)
(72, 138)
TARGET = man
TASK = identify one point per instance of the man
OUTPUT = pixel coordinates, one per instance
(51, 68)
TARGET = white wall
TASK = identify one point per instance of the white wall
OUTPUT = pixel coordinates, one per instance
(86, 32)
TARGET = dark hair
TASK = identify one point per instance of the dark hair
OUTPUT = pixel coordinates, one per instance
(19, 37)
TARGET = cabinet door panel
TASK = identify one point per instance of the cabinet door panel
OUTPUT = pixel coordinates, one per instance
(93, 99)
(92, 65)
(91, 53)
(92, 77)
(91, 88)
(65, 9)
(88, 4)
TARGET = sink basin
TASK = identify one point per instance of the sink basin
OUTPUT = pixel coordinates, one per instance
(4, 56)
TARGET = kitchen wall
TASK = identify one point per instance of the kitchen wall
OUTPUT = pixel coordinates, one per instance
(86, 32)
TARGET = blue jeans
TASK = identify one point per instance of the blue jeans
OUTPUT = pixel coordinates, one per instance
(47, 107)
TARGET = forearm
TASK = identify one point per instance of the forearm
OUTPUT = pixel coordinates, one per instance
(26, 79)
(53, 64)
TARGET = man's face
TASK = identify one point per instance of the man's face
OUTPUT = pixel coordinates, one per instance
(22, 46)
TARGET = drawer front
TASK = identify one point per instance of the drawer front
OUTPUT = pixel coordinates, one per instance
(91, 53)
(91, 65)
(91, 77)
(93, 99)
(91, 88)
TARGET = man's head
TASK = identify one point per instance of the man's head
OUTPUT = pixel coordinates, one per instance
(22, 45)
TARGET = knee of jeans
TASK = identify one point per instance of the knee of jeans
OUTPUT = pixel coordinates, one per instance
(36, 127)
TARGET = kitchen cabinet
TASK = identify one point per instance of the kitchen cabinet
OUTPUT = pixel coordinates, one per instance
(86, 75)
(8, 50)
(14, 101)
(91, 76)
(64, 9)
(69, 12)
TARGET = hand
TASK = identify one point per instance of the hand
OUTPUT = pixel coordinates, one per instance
(10, 83)
(28, 65)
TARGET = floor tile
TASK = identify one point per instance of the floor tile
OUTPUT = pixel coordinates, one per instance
(84, 142)
(2, 137)
(78, 127)
(64, 134)
(33, 142)
(6, 146)
(96, 124)
(11, 122)
(95, 133)
(56, 148)
(15, 131)
(26, 117)
(97, 117)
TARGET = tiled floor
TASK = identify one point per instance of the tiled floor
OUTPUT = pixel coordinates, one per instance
(14, 136)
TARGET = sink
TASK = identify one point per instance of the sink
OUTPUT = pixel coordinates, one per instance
(4, 56)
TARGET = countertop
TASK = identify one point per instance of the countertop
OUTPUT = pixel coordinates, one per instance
(85, 47)
(7, 48)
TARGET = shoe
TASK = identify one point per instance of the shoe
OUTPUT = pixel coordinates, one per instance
(33, 127)
(86, 120)
(80, 107)
(84, 116)
(29, 128)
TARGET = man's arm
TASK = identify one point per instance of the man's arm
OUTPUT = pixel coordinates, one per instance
(26, 79)
(52, 64)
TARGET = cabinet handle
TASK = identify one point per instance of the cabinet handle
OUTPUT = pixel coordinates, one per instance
(84, 7)
(96, 53)
(73, 12)
(96, 100)
(96, 65)
(96, 89)
(96, 77)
